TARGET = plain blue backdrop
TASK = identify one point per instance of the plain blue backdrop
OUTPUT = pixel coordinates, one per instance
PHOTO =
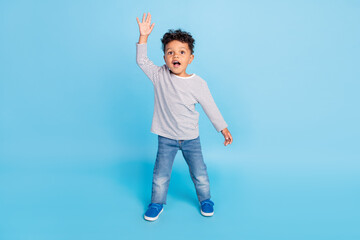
(76, 152)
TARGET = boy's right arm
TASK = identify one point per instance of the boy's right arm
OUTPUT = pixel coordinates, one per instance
(149, 68)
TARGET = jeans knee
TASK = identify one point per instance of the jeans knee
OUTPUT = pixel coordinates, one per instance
(201, 179)
(161, 180)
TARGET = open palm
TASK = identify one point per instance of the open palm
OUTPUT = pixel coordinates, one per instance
(145, 26)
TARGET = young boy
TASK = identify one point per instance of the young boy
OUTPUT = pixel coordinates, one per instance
(175, 119)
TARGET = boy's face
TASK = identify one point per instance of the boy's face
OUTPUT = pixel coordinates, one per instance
(177, 57)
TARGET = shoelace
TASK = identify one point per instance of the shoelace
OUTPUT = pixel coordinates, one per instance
(156, 206)
(207, 202)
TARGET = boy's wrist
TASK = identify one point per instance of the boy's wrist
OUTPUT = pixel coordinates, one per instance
(143, 39)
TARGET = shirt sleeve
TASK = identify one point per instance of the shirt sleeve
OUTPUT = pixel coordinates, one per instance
(208, 105)
(148, 67)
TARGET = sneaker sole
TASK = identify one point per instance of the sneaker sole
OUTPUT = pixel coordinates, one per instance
(154, 218)
(206, 214)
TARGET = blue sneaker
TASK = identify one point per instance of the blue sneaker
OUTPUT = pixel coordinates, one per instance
(207, 208)
(153, 211)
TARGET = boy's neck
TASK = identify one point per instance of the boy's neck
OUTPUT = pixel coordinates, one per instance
(184, 74)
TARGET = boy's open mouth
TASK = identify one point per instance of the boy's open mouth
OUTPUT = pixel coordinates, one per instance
(176, 64)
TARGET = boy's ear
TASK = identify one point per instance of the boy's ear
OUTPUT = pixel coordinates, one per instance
(191, 58)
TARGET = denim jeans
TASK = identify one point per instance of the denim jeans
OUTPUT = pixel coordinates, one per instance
(191, 150)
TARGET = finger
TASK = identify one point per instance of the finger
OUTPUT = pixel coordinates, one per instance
(143, 17)
(149, 17)
(228, 140)
(152, 26)
(138, 21)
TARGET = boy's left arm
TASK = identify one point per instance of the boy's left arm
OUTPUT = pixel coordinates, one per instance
(208, 104)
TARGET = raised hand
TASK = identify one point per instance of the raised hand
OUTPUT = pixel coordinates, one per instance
(144, 26)
(227, 136)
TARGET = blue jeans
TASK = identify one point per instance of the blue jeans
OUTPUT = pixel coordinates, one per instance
(191, 150)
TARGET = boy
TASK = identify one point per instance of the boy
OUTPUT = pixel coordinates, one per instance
(175, 119)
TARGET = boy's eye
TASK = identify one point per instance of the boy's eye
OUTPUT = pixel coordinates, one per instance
(182, 52)
(170, 53)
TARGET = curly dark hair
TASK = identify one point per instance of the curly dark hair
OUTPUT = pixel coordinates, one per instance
(179, 35)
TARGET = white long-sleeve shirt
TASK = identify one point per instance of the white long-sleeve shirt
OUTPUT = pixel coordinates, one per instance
(175, 116)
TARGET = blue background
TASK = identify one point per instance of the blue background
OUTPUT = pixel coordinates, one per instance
(76, 152)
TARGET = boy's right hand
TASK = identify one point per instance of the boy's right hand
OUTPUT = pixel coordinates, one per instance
(144, 26)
